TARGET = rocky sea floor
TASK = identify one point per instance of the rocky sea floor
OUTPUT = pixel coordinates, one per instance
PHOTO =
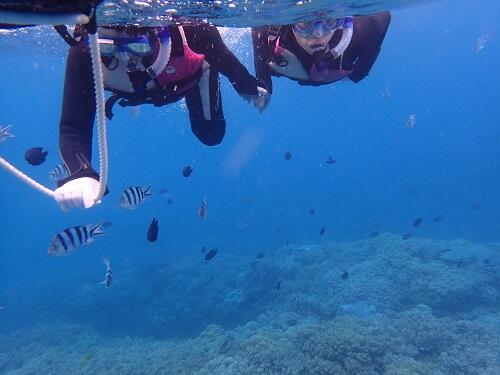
(378, 306)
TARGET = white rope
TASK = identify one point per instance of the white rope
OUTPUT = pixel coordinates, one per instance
(101, 129)
(16, 172)
(101, 115)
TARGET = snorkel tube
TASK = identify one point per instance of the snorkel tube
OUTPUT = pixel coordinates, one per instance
(347, 30)
(155, 69)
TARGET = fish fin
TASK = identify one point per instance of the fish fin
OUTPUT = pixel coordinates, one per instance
(148, 193)
(97, 230)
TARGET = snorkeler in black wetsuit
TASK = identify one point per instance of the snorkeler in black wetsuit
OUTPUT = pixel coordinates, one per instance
(144, 65)
(318, 52)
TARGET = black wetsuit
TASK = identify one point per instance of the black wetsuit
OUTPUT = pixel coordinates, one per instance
(78, 109)
(360, 55)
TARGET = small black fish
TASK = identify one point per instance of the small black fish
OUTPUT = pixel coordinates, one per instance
(322, 231)
(153, 231)
(406, 235)
(162, 190)
(374, 234)
(107, 224)
(437, 219)
(186, 172)
(459, 263)
(330, 160)
(345, 275)
(278, 285)
(417, 221)
(211, 254)
(170, 201)
(204, 249)
(288, 155)
(35, 155)
(203, 210)
(260, 255)
(312, 211)
(475, 206)
(287, 243)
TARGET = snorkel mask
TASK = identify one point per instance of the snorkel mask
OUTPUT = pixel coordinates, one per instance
(318, 28)
(137, 46)
(322, 30)
(156, 43)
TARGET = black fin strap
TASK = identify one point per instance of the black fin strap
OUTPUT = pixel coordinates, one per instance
(109, 105)
(124, 101)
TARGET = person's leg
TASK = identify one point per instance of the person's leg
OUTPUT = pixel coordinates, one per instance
(205, 109)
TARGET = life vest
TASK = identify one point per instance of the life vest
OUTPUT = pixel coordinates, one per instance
(286, 63)
(179, 68)
(180, 75)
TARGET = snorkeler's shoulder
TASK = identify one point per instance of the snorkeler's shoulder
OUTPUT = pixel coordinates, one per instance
(369, 31)
(373, 24)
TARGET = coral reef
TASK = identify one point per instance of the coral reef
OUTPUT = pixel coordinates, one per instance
(406, 307)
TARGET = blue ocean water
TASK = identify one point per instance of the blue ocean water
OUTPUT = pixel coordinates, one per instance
(428, 305)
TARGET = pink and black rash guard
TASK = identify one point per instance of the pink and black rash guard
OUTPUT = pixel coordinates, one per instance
(203, 100)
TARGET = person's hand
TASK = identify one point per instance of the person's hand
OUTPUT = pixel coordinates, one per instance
(259, 101)
(78, 193)
(262, 100)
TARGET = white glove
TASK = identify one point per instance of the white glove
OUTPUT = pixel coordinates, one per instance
(78, 193)
(262, 100)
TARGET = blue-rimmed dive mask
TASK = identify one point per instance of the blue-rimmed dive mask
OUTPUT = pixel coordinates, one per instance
(137, 46)
(318, 28)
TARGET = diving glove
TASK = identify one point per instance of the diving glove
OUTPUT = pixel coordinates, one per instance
(77, 193)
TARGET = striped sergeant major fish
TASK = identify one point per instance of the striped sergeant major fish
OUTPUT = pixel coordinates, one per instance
(70, 239)
(134, 196)
(59, 172)
(109, 273)
(4, 133)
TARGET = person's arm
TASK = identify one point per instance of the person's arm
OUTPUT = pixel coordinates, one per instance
(262, 56)
(77, 116)
(207, 40)
(372, 30)
(79, 190)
